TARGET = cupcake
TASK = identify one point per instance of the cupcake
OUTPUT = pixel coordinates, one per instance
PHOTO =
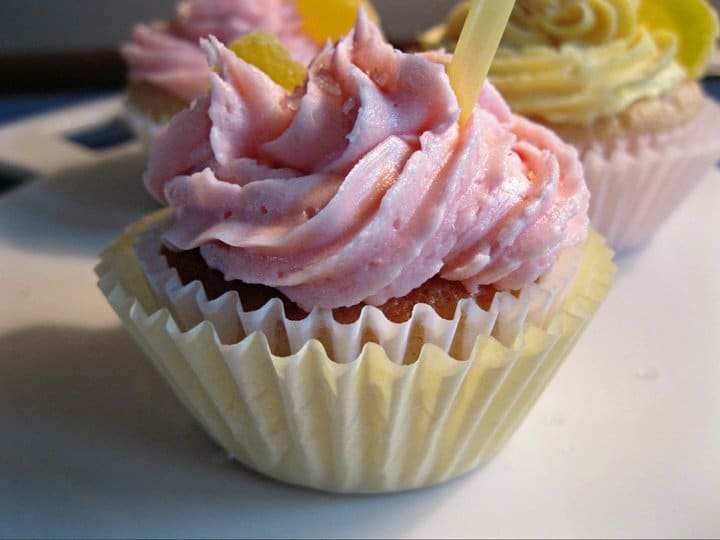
(167, 69)
(348, 289)
(618, 80)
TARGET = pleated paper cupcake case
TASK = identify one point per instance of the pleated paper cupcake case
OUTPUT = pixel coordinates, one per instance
(370, 425)
(637, 183)
(343, 342)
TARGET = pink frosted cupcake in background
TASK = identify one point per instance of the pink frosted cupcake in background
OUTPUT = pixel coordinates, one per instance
(349, 289)
(167, 69)
(618, 80)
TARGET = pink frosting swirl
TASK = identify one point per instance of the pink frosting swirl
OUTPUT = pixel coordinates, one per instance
(362, 185)
(167, 53)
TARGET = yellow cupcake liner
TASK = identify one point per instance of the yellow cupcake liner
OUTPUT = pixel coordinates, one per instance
(369, 424)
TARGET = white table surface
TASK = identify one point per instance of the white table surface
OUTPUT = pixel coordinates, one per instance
(625, 442)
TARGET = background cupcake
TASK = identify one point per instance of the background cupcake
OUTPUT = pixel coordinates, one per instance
(617, 79)
(167, 69)
(422, 280)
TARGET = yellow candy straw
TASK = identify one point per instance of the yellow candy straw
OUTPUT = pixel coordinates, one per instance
(479, 39)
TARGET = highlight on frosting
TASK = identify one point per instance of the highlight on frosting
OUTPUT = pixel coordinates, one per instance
(574, 61)
(360, 185)
(167, 54)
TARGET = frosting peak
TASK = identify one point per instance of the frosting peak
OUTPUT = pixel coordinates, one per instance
(361, 186)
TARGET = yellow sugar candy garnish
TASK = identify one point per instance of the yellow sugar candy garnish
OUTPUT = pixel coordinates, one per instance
(324, 19)
(694, 23)
(266, 52)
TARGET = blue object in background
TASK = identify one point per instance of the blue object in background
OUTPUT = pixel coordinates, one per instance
(17, 106)
(712, 86)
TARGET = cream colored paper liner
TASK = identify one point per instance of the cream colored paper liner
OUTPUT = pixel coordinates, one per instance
(637, 185)
(369, 425)
(343, 342)
(143, 126)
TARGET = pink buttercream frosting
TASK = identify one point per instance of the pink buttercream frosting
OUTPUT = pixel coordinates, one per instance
(167, 54)
(361, 186)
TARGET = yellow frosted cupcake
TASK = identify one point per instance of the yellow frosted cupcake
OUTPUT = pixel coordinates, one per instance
(350, 290)
(617, 79)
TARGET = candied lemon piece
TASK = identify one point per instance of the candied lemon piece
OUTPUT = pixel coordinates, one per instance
(694, 23)
(324, 20)
(266, 52)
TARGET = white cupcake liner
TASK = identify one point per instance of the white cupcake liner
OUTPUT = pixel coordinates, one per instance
(639, 182)
(143, 126)
(370, 424)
